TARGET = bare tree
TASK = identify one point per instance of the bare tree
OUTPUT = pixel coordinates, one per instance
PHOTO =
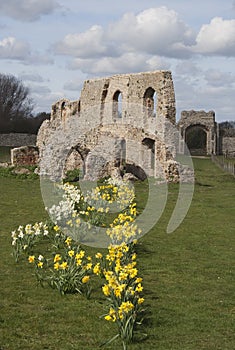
(227, 128)
(15, 103)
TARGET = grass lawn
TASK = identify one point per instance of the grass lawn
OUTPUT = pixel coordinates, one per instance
(188, 277)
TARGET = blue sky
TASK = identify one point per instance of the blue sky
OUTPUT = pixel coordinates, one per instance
(54, 45)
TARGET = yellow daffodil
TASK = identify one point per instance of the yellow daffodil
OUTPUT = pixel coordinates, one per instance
(133, 256)
(56, 266)
(88, 266)
(85, 279)
(40, 264)
(126, 306)
(97, 269)
(108, 318)
(64, 265)
(69, 223)
(106, 290)
(120, 314)
(78, 262)
(68, 241)
(71, 253)
(31, 259)
(80, 255)
(138, 280)
(57, 258)
(118, 291)
(140, 300)
(139, 287)
(112, 315)
(123, 276)
(133, 272)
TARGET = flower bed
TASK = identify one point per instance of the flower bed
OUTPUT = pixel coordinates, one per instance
(54, 249)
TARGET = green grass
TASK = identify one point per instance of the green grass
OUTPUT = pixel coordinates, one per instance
(188, 277)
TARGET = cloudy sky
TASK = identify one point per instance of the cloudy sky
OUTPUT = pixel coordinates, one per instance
(54, 45)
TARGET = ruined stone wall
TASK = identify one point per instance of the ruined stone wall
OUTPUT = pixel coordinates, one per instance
(94, 127)
(17, 139)
(25, 155)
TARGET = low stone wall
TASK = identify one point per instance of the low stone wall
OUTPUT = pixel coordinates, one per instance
(17, 140)
(25, 155)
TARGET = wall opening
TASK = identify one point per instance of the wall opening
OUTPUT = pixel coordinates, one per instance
(149, 153)
(63, 110)
(123, 151)
(117, 105)
(150, 102)
(103, 98)
(196, 140)
(76, 159)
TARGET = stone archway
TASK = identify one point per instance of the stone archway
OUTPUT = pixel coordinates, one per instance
(202, 121)
(196, 139)
(74, 161)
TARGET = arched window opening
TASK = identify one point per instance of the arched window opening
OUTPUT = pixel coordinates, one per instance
(150, 102)
(74, 165)
(63, 110)
(117, 104)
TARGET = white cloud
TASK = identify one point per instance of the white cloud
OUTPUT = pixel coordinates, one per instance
(157, 62)
(128, 62)
(34, 77)
(36, 58)
(39, 89)
(216, 78)
(44, 101)
(216, 38)
(73, 85)
(188, 68)
(199, 96)
(11, 48)
(87, 44)
(157, 31)
(27, 10)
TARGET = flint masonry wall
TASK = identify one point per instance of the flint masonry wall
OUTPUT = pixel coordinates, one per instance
(24, 155)
(17, 139)
(120, 121)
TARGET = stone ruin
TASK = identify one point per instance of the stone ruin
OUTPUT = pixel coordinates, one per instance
(203, 126)
(24, 155)
(124, 124)
(199, 120)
